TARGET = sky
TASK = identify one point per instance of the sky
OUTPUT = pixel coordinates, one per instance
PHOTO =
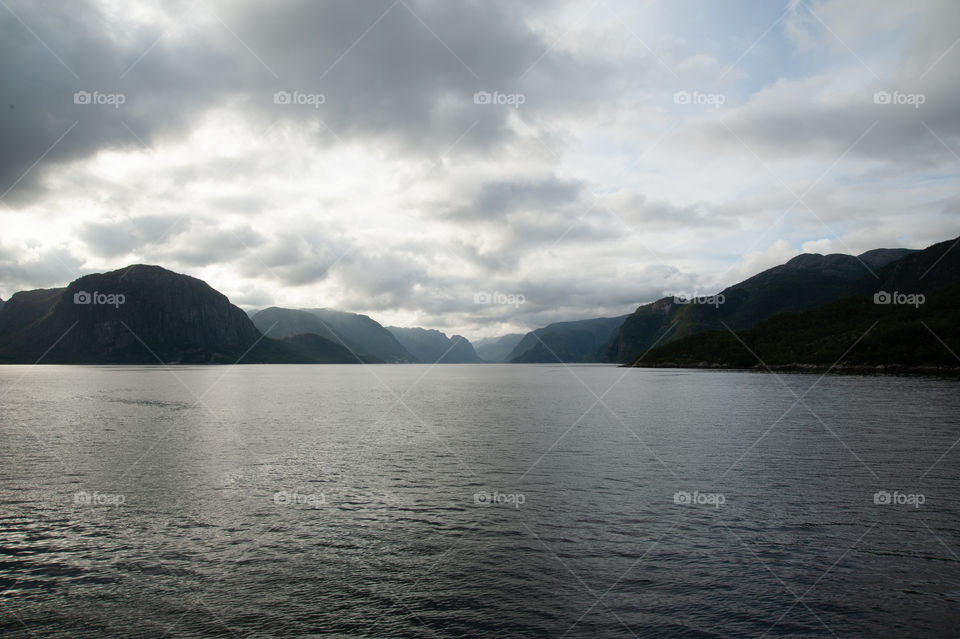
(475, 167)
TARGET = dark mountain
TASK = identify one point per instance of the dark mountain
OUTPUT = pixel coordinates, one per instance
(137, 315)
(577, 341)
(906, 331)
(1, 305)
(360, 334)
(497, 349)
(803, 283)
(430, 346)
(320, 350)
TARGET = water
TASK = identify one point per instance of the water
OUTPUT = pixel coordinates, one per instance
(289, 501)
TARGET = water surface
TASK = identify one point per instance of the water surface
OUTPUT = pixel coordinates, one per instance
(475, 501)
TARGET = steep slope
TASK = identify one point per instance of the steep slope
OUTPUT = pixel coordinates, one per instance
(576, 341)
(497, 349)
(804, 282)
(129, 315)
(289, 324)
(364, 334)
(907, 332)
(431, 346)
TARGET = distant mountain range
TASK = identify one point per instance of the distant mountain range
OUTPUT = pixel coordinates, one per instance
(573, 342)
(497, 349)
(799, 314)
(361, 335)
(430, 346)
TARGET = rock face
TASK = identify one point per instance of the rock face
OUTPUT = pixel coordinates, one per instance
(139, 315)
(365, 337)
(430, 346)
(803, 283)
(572, 342)
(497, 349)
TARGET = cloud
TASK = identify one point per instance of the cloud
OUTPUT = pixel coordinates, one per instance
(376, 183)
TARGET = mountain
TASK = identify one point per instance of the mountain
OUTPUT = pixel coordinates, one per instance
(1, 305)
(803, 283)
(497, 349)
(137, 315)
(577, 341)
(320, 350)
(913, 323)
(430, 346)
(358, 333)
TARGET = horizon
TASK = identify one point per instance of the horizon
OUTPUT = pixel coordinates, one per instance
(585, 160)
(250, 311)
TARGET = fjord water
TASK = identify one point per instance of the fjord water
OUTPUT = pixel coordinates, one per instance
(475, 501)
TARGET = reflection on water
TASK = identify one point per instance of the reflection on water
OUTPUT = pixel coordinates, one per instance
(475, 501)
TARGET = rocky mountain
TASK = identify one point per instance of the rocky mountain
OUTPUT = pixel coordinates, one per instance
(137, 315)
(497, 349)
(576, 341)
(431, 346)
(803, 283)
(358, 333)
(904, 317)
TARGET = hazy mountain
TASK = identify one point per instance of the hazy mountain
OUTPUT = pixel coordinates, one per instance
(430, 346)
(804, 282)
(577, 341)
(359, 333)
(497, 349)
(286, 322)
(906, 333)
(140, 314)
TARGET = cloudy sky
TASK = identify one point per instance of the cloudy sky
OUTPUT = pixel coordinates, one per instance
(397, 158)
